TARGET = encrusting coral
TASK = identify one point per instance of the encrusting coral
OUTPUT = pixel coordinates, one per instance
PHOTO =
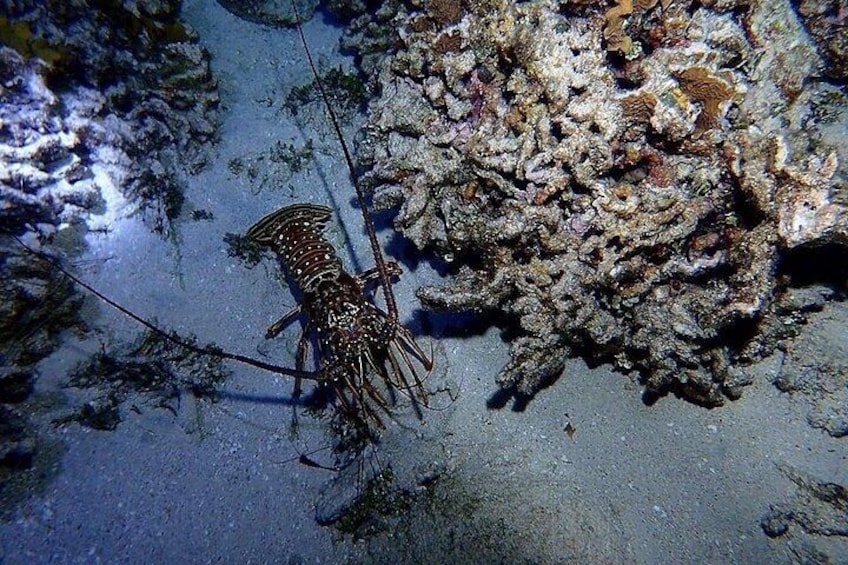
(626, 14)
(628, 208)
(711, 92)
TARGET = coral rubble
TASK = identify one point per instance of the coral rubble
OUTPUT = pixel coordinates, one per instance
(624, 183)
(816, 371)
(818, 507)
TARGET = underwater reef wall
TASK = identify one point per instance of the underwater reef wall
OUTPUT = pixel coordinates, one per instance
(628, 181)
(92, 87)
(105, 107)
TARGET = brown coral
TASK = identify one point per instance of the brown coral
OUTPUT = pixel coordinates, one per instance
(449, 43)
(445, 12)
(617, 40)
(639, 106)
(708, 90)
(617, 19)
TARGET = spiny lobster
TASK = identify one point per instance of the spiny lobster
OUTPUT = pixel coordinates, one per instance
(354, 335)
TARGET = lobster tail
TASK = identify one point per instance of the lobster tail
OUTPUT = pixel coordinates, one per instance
(295, 234)
(269, 229)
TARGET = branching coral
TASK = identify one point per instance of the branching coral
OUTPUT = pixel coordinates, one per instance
(631, 211)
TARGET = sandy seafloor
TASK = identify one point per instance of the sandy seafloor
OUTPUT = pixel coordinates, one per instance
(667, 483)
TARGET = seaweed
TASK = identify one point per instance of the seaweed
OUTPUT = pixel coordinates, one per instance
(273, 166)
(154, 366)
(243, 248)
(346, 91)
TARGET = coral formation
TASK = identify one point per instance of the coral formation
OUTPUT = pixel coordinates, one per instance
(95, 122)
(634, 209)
(826, 20)
(56, 153)
(627, 14)
(711, 92)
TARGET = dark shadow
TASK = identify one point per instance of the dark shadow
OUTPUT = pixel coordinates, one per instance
(501, 397)
(457, 324)
(398, 247)
(651, 397)
(343, 12)
(258, 398)
(684, 392)
(334, 200)
(827, 265)
(318, 398)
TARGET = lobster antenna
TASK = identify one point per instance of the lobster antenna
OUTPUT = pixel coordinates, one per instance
(391, 305)
(173, 338)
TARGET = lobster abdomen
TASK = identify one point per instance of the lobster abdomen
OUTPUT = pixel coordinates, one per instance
(295, 234)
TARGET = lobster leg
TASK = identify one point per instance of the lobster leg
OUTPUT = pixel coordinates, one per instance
(419, 384)
(300, 363)
(407, 343)
(372, 391)
(372, 275)
(402, 382)
(278, 326)
(366, 388)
